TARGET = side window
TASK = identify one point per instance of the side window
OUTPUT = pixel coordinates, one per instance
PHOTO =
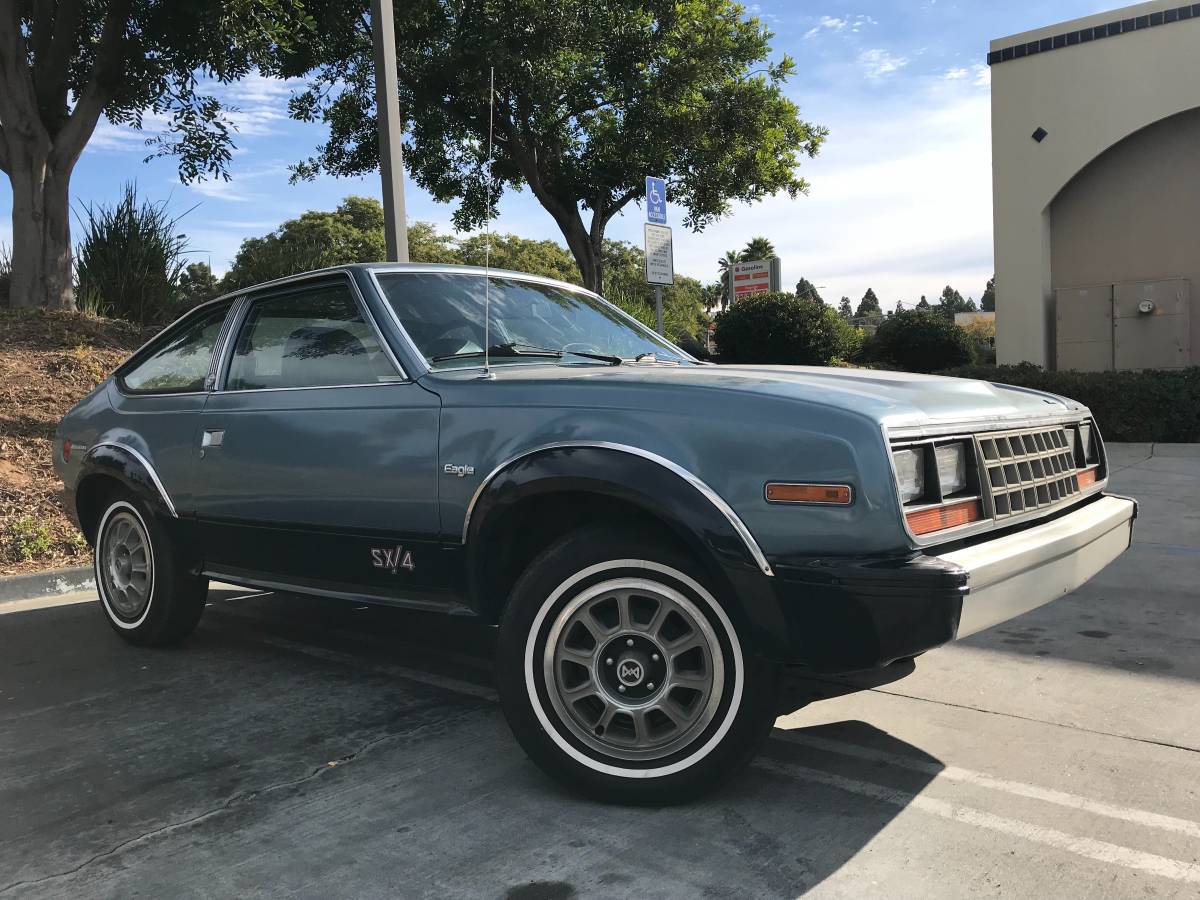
(313, 337)
(181, 362)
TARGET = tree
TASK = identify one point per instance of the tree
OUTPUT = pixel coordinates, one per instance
(783, 329)
(988, 301)
(923, 303)
(64, 64)
(511, 252)
(845, 310)
(197, 283)
(758, 248)
(806, 290)
(952, 302)
(726, 264)
(685, 316)
(588, 99)
(919, 340)
(351, 233)
(868, 306)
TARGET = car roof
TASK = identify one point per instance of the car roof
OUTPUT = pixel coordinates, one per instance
(415, 268)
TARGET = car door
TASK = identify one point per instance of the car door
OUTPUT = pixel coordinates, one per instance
(160, 394)
(318, 455)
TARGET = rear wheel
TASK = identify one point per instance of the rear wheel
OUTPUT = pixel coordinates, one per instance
(146, 596)
(623, 675)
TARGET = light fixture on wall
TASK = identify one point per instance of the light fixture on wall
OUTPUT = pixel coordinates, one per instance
(1039, 134)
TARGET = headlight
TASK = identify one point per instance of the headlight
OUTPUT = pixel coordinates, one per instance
(1085, 436)
(952, 467)
(910, 473)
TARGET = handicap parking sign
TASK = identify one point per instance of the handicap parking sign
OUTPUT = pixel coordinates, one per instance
(656, 200)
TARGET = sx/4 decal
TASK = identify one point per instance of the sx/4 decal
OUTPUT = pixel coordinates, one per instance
(391, 559)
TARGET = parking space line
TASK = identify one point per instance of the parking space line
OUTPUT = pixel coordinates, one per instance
(1089, 848)
(1017, 788)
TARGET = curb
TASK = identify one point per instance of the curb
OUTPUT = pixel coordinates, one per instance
(42, 584)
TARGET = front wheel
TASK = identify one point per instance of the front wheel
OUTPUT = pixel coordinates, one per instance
(622, 674)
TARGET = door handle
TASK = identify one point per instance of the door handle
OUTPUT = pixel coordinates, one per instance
(212, 439)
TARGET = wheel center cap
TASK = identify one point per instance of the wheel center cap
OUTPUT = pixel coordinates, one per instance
(630, 672)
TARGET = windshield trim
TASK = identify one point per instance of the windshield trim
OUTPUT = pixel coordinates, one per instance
(410, 269)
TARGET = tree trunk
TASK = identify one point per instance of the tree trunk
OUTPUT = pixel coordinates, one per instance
(41, 255)
(586, 252)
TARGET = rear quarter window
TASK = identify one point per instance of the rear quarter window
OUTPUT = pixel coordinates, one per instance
(178, 361)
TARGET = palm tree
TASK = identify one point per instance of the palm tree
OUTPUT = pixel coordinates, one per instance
(759, 248)
(726, 264)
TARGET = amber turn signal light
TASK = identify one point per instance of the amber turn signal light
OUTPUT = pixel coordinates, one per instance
(937, 518)
(784, 492)
(1086, 478)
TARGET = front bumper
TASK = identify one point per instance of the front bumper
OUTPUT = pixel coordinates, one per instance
(843, 615)
(1022, 571)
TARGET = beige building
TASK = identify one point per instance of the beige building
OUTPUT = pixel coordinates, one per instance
(1096, 190)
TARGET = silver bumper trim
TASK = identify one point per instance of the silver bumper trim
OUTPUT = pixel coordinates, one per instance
(1022, 571)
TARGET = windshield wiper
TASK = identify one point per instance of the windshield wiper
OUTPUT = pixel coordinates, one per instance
(519, 349)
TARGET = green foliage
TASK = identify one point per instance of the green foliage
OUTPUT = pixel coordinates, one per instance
(351, 233)
(988, 301)
(923, 303)
(952, 302)
(588, 100)
(1145, 405)
(868, 306)
(758, 248)
(780, 328)
(806, 290)
(28, 539)
(685, 316)
(981, 336)
(918, 340)
(5, 273)
(130, 259)
(845, 310)
(426, 244)
(521, 255)
(197, 283)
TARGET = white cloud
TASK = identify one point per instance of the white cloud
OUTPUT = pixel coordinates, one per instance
(905, 222)
(956, 74)
(983, 75)
(236, 189)
(878, 63)
(852, 24)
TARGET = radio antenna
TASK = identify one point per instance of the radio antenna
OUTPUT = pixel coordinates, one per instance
(487, 234)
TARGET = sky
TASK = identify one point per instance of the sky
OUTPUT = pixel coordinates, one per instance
(900, 197)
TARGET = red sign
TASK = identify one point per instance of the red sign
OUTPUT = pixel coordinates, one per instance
(751, 277)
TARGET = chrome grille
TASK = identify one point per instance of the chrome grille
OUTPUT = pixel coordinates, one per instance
(1027, 469)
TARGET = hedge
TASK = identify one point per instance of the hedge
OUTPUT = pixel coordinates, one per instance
(783, 329)
(1148, 405)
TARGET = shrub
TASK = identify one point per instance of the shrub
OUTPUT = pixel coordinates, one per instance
(783, 329)
(981, 337)
(129, 261)
(29, 539)
(5, 274)
(1146, 405)
(919, 340)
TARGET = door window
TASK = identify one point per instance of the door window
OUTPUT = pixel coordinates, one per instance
(180, 362)
(314, 337)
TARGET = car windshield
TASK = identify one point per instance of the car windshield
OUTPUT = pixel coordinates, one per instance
(529, 322)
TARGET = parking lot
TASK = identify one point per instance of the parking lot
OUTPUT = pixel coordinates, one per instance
(300, 747)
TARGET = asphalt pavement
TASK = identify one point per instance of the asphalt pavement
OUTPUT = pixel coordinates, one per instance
(297, 747)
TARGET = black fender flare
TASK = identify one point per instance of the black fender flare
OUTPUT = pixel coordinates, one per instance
(695, 513)
(132, 470)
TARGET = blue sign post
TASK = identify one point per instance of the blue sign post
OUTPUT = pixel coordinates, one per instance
(656, 200)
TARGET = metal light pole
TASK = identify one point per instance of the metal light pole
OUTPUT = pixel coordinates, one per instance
(391, 154)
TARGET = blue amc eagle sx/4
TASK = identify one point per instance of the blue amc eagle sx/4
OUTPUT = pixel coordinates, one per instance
(654, 537)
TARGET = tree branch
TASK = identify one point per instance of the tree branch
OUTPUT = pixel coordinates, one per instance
(52, 58)
(99, 90)
(3, 151)
(18, 102)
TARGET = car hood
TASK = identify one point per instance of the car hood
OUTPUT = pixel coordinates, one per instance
(903, 401)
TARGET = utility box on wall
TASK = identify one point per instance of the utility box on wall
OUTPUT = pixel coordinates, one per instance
(1152, 325)
(1133, 325)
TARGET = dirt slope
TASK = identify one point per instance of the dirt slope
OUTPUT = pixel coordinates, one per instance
(48, 360)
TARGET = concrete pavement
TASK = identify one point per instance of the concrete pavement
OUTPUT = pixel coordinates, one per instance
(300, 747)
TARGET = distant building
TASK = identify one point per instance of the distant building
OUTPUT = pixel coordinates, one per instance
(1096, 186)
(970, 318)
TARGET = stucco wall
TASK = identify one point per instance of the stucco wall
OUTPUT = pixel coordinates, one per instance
(1087, 97)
